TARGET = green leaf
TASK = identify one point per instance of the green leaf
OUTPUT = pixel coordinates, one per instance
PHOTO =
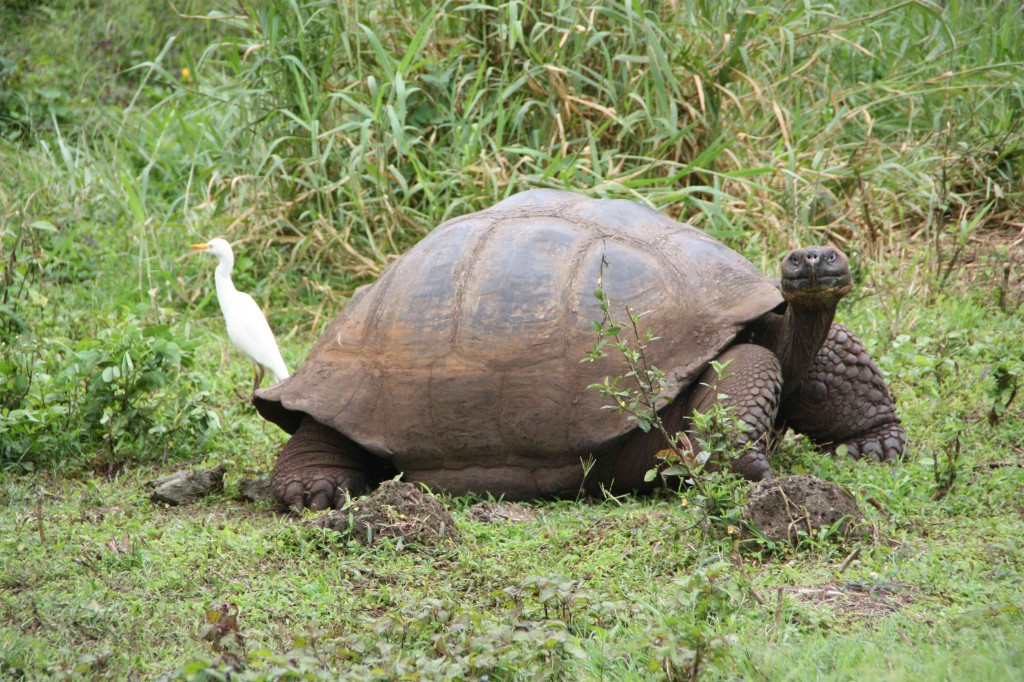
(44, 225)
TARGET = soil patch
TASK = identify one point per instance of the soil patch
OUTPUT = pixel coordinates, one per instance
(857, 600)
(394, 510)
(783, 507)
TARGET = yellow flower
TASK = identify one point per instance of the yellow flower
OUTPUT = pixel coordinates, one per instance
(684, 501)
(730, 529)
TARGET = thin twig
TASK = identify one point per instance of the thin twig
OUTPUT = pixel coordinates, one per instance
(778, 614)
(878, 505)
(905, 639)
(738, 562)
(849, 560)
(997, 465)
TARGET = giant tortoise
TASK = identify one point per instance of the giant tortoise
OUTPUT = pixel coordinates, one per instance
(460, 366)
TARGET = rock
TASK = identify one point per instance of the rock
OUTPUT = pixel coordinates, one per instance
(185, 487)
(394, 510)
(256, 489)
(501, 512)
(782, 507)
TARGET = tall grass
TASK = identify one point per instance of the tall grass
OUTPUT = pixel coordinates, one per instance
(343, 132)
(351, 129)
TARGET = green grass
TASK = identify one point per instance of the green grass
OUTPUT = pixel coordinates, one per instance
(326, 138)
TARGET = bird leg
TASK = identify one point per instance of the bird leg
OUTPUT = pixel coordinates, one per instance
(257, 379)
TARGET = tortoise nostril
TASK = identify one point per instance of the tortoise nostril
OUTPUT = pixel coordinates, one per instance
(812, 257)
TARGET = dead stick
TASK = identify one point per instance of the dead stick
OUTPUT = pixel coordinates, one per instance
(997, 465)
(39, 518)
(778, 614)
(738, 561)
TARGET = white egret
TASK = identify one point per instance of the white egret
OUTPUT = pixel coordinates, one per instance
(247, 327)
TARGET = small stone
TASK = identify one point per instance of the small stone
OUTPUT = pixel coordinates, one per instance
(256, 489)
(782, 507)
(185, 487)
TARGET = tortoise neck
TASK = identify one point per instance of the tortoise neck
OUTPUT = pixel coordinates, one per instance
(798, 335)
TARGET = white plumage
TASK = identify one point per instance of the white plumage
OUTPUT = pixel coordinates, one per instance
(247, 327)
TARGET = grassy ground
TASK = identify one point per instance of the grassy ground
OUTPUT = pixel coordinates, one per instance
(323, 139)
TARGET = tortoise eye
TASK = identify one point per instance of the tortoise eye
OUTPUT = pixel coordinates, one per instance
(831, 257)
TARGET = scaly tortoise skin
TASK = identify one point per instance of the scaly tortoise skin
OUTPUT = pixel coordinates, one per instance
(460, 366)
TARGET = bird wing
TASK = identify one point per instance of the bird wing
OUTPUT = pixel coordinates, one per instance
(249, 331)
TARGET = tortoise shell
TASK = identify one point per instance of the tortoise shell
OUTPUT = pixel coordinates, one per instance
(466, 352)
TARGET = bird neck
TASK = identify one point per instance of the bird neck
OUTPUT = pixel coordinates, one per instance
(223, 278)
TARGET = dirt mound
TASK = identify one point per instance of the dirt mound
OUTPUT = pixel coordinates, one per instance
(394, 510)
(782, 507)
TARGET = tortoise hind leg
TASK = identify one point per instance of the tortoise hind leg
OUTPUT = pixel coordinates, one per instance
(844, 401)
(319, 466)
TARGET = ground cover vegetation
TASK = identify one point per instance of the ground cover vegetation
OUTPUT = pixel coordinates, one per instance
(324, 138)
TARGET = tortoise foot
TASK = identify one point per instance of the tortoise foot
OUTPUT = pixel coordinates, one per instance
(319, 488)
(845, 401)
(749, 387)
(318, 468)
(752, 465)
(885, 444)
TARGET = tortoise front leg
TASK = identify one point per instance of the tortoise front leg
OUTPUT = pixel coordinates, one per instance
(749, 387)
(317, 467)
(844, 401)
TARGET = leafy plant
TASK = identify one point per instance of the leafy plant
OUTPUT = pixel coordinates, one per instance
(1002, 389)
(945, 470)
(699, 458)
(428, 638)
(125, 391)
(125, 372)
(693, 627)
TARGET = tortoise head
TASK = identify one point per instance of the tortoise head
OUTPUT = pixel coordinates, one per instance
(815, 278)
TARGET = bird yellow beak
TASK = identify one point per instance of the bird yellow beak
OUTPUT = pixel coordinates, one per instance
(201, 247)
